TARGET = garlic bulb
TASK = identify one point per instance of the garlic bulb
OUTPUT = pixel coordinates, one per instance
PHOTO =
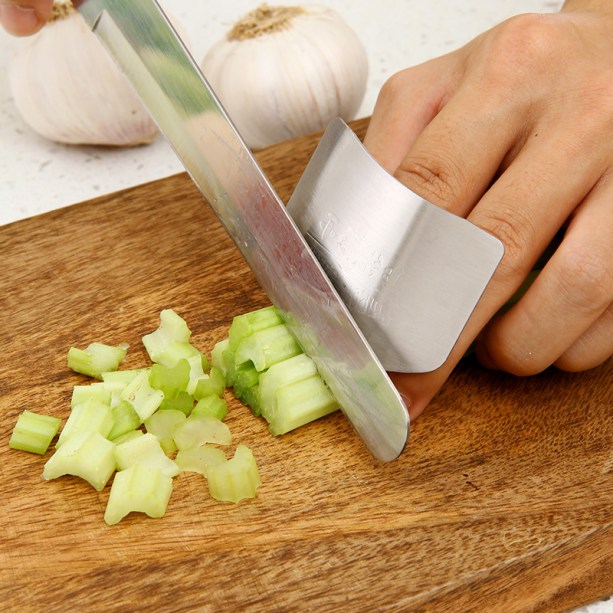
(285, 71)
(68, 89)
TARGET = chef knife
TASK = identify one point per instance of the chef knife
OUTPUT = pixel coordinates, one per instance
(144, 44)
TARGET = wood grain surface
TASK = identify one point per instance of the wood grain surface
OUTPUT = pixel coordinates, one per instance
(501, 502)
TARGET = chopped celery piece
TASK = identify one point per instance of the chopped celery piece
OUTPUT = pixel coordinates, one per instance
(247, 324)
(34, 432)
(267, 347)
(170, 379)
(128, 436)
(87, 455)
(99, 391)
(143, 398)
(184, 402)
(198, 459)
(162, 424)
(125, 419)
(212, 384)
(245, 376)
(89, 416)
(178, 351)
(251, 397)
(201, 429)
(144, 449)
(300, 403)
(119, 378)
(172, 329)
(198, 365)
(281, 374)
(236, 479)
(96, 358)
(214, 406)
(217, 355)
(140, 488)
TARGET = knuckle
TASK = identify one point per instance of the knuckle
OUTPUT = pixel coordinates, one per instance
(587, 280)
(437, 180)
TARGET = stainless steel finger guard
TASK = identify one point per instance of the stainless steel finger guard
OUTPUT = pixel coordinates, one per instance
(409, 272)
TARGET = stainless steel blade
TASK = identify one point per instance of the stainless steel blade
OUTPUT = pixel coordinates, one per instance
(142, 41)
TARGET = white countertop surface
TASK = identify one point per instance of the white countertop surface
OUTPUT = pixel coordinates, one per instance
(37, 175)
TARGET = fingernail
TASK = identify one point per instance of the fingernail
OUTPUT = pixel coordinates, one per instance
(18, 20)
(406, 399)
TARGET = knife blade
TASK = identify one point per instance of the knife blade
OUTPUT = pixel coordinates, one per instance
(140, 38)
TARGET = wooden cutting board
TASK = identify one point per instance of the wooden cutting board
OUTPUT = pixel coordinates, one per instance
(501, 502)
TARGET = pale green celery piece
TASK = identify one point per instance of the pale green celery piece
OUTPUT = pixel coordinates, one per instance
(236, 479)
(281, 374)
(170, 379)
(217, 359)
(214, 406)
(89, 416)
(98, 390)
(96, 358)
(247, 324)
(143, 398)
(162, 424)
(125, 419)
(267, 347)
(201, 429)
(251, 397)
(120, 378)
(198, 459)
(172, 328)
(128, 436)
(34, 432)
(87, 455)
(212, 384)
(140, 488)
(198, 364)
(183, 402)
(178, 351)
(144, 449)
(300, 403)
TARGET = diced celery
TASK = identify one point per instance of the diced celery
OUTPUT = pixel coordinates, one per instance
(198, 364)
(87, 455)
(214, 406)
(170, 379)
(184, 402)
(140, 488)
(34, 432)
(144, 449)
(217, 355)
(89, 416)
(178, 351)
(125, 419)
(162, 424)
(119, 378)
(198, 459)
(300, 403)
(280, 375)
(99, 391)
(96, 358)
(267, 347)
(246, 376)
(236, 479)
(201, 429)
(247, 324)
(143, 398)
(128, 436)
(172, 328)
(251, 397)
(212, 384)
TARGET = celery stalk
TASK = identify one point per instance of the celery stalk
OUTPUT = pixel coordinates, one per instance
(143, 398)
(125, 419)
(87, 455)
(144, 449)
(217, 355)
(89, 416)
(172, 329)
(162, 424)
(211, 384)
(236, 479)
(247, 324)
(183, 402)
(201, 429)
(98, 390)
(96, 358)
(267, 347)
(34, 432)
(140, 488)
(199, 459)
(170, 379)
(214, 406)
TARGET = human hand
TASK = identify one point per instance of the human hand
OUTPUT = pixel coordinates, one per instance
(24, 17)
(514, 132)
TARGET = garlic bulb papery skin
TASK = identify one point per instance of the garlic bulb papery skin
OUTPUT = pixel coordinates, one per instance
(68, 89)
(283, 72)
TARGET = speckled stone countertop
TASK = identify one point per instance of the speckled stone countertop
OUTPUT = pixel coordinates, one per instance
(37, 175)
